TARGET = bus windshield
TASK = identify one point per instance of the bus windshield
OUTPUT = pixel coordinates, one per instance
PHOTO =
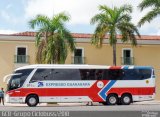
(19, 78)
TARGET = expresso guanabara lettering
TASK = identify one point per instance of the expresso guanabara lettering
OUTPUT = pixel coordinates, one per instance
(67, 84)
(55, 84)
(78, 84)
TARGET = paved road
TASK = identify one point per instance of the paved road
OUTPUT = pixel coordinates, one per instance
(80, 110)
(81, 107)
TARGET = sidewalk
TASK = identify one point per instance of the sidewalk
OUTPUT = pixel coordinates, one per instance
(154, 102)
(148, 102)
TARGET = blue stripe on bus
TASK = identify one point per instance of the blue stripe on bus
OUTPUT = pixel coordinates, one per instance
(138, 67)
(125, 67)
(142, 67)
(106, 89)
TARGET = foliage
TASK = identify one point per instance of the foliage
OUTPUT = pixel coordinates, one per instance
(153, 13)
(52, 38)
(114, 21)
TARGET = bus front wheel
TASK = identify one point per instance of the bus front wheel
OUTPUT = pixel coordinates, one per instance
(32, 100)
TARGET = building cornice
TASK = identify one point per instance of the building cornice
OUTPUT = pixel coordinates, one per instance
(79, 38)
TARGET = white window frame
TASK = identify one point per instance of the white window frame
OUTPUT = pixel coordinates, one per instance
(21, 46)
(127, 49)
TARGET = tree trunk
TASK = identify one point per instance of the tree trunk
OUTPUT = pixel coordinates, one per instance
(114, 55)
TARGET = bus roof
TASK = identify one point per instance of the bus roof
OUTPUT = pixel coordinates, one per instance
(75, 66)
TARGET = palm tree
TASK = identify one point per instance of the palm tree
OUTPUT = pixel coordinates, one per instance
(52, 38)
(112, 22)
(155, 5)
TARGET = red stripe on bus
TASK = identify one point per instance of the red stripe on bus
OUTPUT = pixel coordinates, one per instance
(91, 92)
(133, 91)
(115, 67)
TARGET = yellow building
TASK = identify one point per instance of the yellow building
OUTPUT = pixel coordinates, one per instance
(19, 49)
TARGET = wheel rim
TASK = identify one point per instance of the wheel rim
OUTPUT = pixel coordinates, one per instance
(126, 99)
(112, 100)
(32, 101)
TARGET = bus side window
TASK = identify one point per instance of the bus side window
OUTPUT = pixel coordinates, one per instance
(137, 74)
(105, 74)
(42, 74)
(99, 74)
(84, 73)
(115, 74)
(131, 74)
(66, 74)
(145, 73)
(89, 74)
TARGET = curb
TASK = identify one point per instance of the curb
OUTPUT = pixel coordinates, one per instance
(81, 104)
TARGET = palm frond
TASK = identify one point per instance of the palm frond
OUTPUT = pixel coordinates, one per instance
(148, 3)
(107, 10)
(63, 16)
(39, 21)
(128, 31)
(69, 39)
(126, 9)
(125, 17)
(99, 35)
(98, 18)
(149, 16)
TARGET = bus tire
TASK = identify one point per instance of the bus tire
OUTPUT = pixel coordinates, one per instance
(32, 100)
(126, 99)
(112, 99)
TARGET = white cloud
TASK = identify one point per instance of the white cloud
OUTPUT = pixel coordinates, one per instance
(5, 15)
(2, 31)
(8, 6)
(9, 17)
(82, 11)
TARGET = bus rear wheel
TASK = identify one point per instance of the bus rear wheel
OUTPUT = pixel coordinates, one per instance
(112, 99)
(126, 99)
(32, 100)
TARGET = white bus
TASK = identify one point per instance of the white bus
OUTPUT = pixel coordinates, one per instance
(110, 85)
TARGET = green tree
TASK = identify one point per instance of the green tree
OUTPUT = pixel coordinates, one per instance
(113, 21)
(52, 38)
(155, 11)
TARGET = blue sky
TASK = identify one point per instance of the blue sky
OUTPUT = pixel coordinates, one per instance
(15, 14)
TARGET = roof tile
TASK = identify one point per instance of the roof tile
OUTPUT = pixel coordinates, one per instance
(83, 35)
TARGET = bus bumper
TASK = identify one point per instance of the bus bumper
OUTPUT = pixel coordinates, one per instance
(9, 99)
